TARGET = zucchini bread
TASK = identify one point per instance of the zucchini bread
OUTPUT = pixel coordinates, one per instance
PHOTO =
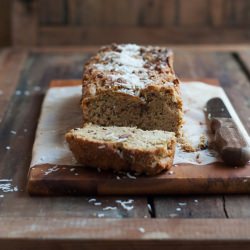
(134, 86)
(122, 148)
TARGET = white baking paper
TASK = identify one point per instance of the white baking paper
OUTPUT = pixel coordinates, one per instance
(61, 112)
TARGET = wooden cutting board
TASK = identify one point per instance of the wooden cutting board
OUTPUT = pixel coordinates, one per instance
(185, 178)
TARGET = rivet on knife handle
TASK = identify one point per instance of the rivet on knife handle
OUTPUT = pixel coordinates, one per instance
(230, 143)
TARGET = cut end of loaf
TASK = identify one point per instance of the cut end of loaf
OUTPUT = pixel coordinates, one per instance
(123, 148)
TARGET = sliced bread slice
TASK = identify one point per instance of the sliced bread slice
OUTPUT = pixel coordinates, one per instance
(123, 148)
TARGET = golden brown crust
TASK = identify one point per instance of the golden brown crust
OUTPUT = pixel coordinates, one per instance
(111, 68)
(98, 154)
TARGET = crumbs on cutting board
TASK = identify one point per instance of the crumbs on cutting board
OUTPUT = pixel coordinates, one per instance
(51, 170)
(125, 175)
(56, 168)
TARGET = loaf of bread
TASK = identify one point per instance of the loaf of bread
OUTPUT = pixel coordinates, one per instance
(122, 148)
(134, 86)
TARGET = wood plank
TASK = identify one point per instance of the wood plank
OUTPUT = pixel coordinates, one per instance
(236, 13)
(169, 13)
(216, 18)
(52, 12)
(193, 13)
(244, 57)
(77, 233)
(24, 16)
(116, 229)
(5, 22)
(151, 13)
(147, 22)
(190, 207)
(122, 245)
(86, 12)
(228, 13)
(210, 179)
(242, 13)
(21, 117)
(94, 35)
(115, 13)
(11, 64)
(236, 84)
(237, 206)
(241, 47)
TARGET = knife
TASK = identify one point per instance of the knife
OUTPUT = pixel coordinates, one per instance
(233, 148)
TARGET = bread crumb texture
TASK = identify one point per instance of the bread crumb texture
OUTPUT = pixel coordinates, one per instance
(123, 148)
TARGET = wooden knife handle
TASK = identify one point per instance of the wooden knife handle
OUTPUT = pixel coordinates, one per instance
(230, 143)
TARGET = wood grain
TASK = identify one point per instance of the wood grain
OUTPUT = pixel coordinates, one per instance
(224, 67)
(86, 13)
(191, 206)
(236, 206)
(148, 21)
(169, 13)
(149, 35)
(193, 13)
(105, 13)
(76, 233)
(244, 60)
(242, 13)
(184, 47)
(151, 13)
(24, 16)
(111, 229)
(236, 14)
(216, 13)
(235, 82)
(52, 12)
(187, 179)
(11, 64)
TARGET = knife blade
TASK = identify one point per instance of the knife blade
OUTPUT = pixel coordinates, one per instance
(232, 146)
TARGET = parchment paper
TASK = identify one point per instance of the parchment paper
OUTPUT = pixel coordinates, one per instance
(61, 112)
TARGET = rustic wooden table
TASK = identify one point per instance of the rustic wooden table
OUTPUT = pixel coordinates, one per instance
(180, 222)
